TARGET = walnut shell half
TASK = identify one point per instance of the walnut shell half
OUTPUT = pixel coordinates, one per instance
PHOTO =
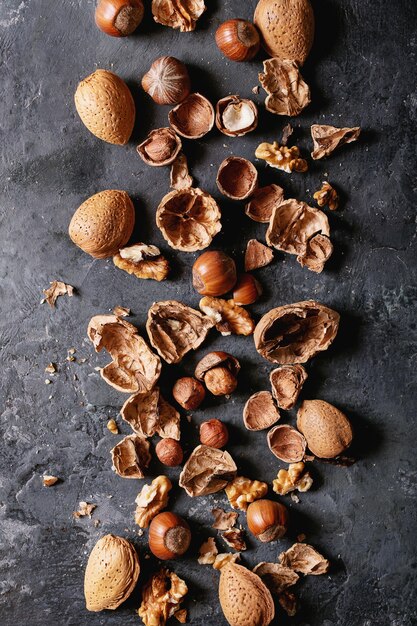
(288, 93)
(257, 255)
(327, 138)
(207, 471)
(260, 411)
(182, 14)
(149, 413)
(193, 117)
(286, 443)
(295, 333)
(161, 147)
(263, 202)
(188, 219)
(287, 382)
(134, 368)
(131, 456)
(236, 116)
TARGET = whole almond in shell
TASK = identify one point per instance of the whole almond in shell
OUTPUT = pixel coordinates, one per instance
(244, 598)
(111, 573)
(286, 27)
(103, 223)
(326, 429)
(105, 105)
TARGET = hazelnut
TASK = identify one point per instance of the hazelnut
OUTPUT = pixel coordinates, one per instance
(167, 81)
(161, 147)
(238, 40)
(214, 433)
(237, 178)
(189, 393)
(267, 520)
(119, 18)
(247, 290)
(169, 536)
(214, 273)
(219, 372)
(169, 452)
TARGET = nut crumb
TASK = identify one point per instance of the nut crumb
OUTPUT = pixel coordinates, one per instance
(47, 381)
(49, 480)
(121, 311)
(85, 509)
(112, 427)
(50, 369)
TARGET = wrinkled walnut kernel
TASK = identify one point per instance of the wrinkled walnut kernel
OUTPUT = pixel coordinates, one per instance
(131, 456)
(288, 93)
(242, 491)
(207, 471)
(327, 138)
(143, 262)
(225, 559)
(282, 158)
(327, 195)
(295, 478)
(161, 598)
(287, 382)
(234, 539)
(228, 317)
(151, 500)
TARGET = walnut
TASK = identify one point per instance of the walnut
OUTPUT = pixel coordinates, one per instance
(161, 598)
(112, 427)
(234, 539)
(276, 577)
(287, 382)
(180, 177)
(188, 219)
(327, 195)
(304, 559)
(229, 318)
(319, 249)
(225, 559)
(182, 14)
(286, 443)
(208, 552)
(223, 520)
(151, 500)
(49, 480)
(131, 456)
(327, 138)
(56, 289)
(288, 602)
(260, 411)
(263, 202)
(142, 261)
(149, 413)
(134, 368)
(282, 158)
(207, 471)
(257, 255)
(242, 491)
(288, 93)
(174, 329)
(295, 333)
(295, 478)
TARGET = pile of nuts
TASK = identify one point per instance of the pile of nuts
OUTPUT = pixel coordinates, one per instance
(287, 336)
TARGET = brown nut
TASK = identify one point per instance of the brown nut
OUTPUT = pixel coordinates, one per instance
(151, 500)
(182, 14)
(220, 381)
(247, 290)
(237, 178)
(219, 372)
(149, 413)
(189, 393)
(207, 470)
(236, 116)
(304, 559)
(327, 138)
(241, 491)
(244, 598)
(264, 200)
(142, 261)
(288, 94)
(281, 157)
(119, 18)
(327, 195)
(169, 452)
(260, 411)
(267, 520)
(286, 443)
(193, 117)
(238, 40)
(131, 456)
(214, 273)
(287, 382)
(214, 433)
(161, 595)
(257, 255)
(327, 430)
(103, 223)
(167, 81)
(161, 147)
(169, 536)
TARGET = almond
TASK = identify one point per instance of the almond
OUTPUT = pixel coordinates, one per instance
(111, 573)
(103, 223)
(327, 430)
(106, 107)
(244, 598)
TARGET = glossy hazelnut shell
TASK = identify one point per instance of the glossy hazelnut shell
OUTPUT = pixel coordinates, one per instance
(169, 536)
(214, 273)
(119, 18)
(247, 290)
(267, 520)
(238, 40)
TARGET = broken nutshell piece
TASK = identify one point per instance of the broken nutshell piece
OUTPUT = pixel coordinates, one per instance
(57, 288)
(287, 131)
(286, 443)
(293, 479)
(242, 491)
(180, 178)
(276, 577)
(207, 471)
(218, 371)
(167, 81)
(49, 480)
(148, 413)
(193, 117)
(237, 178)
(229, 317)
(208, 552)
(151, 500)
(260, 411)
(282, 158)
(288, 602)
(223, 520)
(318, 251)
(142, 261)
(131, 456)
(161, 147)
(263, 202)
(257, 255)
(85, 509)
(182, 14)
(288, 93)
(236, 116)
(287, 382)
(327, 138)
(304, 559)
(327, 195)
(327, 430)
(161, 597)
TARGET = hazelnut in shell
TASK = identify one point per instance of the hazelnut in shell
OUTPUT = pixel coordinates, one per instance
(169, 536)
(267, 520)
(214, 273)
(237, 178)
(238, 40)
(236, 116)
(161, 147)
(169, 452)
(247, 290)
(327, 430)
(214, 433)
(189, 393)
(167, 81)
(119, 18)
(193, 117)
(219, 372)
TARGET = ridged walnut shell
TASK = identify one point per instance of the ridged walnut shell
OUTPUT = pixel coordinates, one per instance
(207, 470)
(111, 573)
(103, 223)
(327, 430)
(295, 333)
(106, 107)
(244, 598)
(286, 28)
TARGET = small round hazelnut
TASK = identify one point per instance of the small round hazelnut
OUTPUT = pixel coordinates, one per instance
(214, 273)
(169, 452)
(189, 393)
(214, 433)
(220, 381)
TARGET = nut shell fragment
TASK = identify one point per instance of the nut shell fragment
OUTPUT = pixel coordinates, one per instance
(131, 456)
(193, 117)
(304, 559)
(327, 138)
(229, 318)
(149, 413)
(207, 471)
(295, 333)
(286, 443)
(151, 500)
(287, 382)
(142, 261)
(161, 147)
(327, 195)
(318, 251)
(257, 255)
(276, 577)
(182, 14)
(288, 93)
(223, 520)
(281, 157)
(327, 430)
(260, 411)
(236, 116)
(262, 204)
(244, 598)
(237, 178)
(180, 178)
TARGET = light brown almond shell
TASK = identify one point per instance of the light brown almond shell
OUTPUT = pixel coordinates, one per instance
(244, 598)
(327, 430)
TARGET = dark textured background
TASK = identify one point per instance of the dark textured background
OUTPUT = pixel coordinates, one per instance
(362, 72)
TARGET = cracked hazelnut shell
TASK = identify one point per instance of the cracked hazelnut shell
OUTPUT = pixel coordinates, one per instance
(119, 18)
(267, 520)
(327, 430)
(237, 178)
(236, 116)
(286, 443)
(214, 433)
(161, 147)
(189, 393)
(214, 273)
(169, 536)
(167, 81)
(287, 382)
(193, 117)
(263, 202)
(260, 411)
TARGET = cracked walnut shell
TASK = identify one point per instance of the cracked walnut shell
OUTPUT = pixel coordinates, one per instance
(286, 443)
(295, 333)
(264, 200)
(131, 456)
(327, 138)
(161, 147)
(182, 14)
(161, 598)
(134, 367)
(151, 500)
(188, 219)
(287, 382)
(207, 471)
(142, 261)
(242, 491)
(304, 559)
(318, 250)
(193, 117)
(288, 94)
(281, 157)
(260, 411)
(229, 318)
(174, 329)
(295, 478)
(148, 413)
(276, 577)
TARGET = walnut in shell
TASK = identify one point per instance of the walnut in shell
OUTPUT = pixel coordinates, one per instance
(151, 500)
(263, 202)
(207, 471)
(134, 368)
(161, 147)
(142, 261)
(287, 382)
(242, 491)
(260, 411)
(193, 117)
(327, 138)
(327, 430)
(182, 14)
(276, 577)
(148, 413)
(286, 443)
(281, 158)
(295, 333)
(288, 94)
(131, 456)
(304, 559)
(174, 329)
(188, 219)
(229, 318)
(236, 116)
(161, 598)
(237, 178)
(257, 255)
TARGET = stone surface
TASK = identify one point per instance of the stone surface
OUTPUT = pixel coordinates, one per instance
(362, 518)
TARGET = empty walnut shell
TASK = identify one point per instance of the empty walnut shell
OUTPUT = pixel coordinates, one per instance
(193, 117)
(327, 430)
(244, 598)
(161, 147)
(295, 333)
(237, 178)
(236, 116)
(134, 368)
(174, 329)
(111, 574)
(131, 456)
(260, 411)
(188, 219)
(287, 382)
(182, 14)
(207, 471)
(327, 138)
(288, 94)
(263, 202)
(286, 443)
(149, 413)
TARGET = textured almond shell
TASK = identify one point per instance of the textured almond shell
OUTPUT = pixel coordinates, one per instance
(106, 107)
(111, 573)
(244, 598)
(103, 223)
(327, 430)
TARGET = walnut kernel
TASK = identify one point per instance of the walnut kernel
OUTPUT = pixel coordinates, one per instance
(282, 158)
(242, 491)
(151, 500)
(327, 195)
(295, 478)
